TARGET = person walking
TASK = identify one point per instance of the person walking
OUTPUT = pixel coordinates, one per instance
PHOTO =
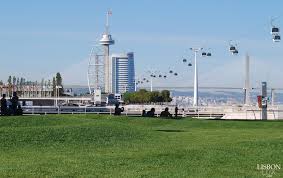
(176, 111)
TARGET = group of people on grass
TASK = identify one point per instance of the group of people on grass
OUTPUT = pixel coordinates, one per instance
(10, 106)
(163, 114)
(151, 113)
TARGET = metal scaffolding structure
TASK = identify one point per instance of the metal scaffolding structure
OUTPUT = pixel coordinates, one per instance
(95, 75)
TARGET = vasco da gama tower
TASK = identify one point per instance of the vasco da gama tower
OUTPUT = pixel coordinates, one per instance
(106, 41)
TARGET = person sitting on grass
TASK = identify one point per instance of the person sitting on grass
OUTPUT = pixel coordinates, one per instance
(15, 101)
(118, 110)
(165, 113)
(19, 110)
(3, 105)
(150, 113)
(143, 113)
(9, 106)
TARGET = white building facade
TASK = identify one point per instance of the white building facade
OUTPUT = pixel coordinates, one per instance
(122, 73)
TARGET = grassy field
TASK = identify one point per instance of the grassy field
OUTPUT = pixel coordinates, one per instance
(105, 146)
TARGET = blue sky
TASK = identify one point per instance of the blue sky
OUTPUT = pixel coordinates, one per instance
(39, 38)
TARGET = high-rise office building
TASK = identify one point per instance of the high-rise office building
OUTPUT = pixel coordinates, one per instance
(122, 73)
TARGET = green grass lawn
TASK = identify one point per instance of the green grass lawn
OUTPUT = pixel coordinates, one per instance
(107, 146)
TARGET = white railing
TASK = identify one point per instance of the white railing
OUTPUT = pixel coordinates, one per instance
(245, 113)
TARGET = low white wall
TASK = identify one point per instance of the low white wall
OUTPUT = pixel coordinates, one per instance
(250, 115)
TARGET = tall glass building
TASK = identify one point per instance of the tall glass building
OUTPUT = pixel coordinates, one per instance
(122, 73)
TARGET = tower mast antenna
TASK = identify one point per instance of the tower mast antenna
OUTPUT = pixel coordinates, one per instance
(109, 13)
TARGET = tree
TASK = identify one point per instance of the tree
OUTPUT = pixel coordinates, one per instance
(59, 82)
(144, 96)
(53, 86)
(58, 79)
(22, 81)
(154, 96)
(18, 84)
(10, 85)
(10, 80)
(127, 97)
(42, 82)
(166, 96)
(18, 81)
(14, 80)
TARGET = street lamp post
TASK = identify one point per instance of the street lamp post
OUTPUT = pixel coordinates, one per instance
(196, 50)
(136, 85)
(151, 83)
(152, 75)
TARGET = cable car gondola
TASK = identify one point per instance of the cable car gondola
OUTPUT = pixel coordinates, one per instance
(208, 53)
(274, 30)
(276, 38)
(232, 48)
(235, 52)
